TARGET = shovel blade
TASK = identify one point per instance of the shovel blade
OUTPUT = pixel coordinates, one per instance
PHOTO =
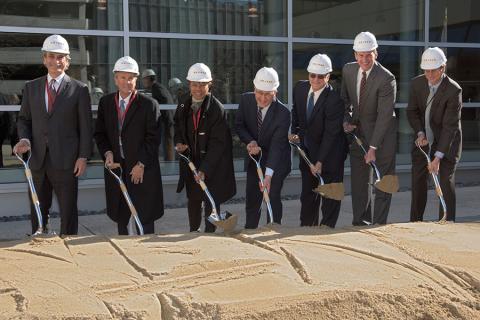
(335, 191)
(388, 184)
(228, 224)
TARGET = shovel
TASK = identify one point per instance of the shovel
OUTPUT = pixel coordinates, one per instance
(334, 191)
(36, 203)
(266, 197)
(225, 220)
(123, 187)
(387, 183)
(438, 189)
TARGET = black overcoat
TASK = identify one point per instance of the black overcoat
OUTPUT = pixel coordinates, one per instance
(140, 143)
(210, 149)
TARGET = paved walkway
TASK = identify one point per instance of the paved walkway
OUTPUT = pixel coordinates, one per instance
(176, 221)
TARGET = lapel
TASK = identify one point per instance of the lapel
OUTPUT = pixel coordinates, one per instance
(319, 103)
(438, 95)
(302, 108)
(353, 87)
(42, 89)
(370, 80)
(424, 92)
(131, 110)
(61, 94)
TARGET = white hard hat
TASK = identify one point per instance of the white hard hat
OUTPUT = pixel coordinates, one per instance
(320, 64)
(433, 58)
(365, 41)
(148, 73)
(57, 44)
(266, 79)
(126, 64)
(199, 72)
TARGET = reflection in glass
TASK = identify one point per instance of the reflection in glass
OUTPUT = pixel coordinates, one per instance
(463, 67)
(225, 17)
(233, 63)
(454, 21)
(388, 20)
(80, 14)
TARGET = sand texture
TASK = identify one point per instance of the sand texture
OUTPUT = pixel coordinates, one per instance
(399, 271)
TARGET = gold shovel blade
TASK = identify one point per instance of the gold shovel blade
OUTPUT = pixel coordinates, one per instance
(228, 225)
(335, 191)
(388, 184)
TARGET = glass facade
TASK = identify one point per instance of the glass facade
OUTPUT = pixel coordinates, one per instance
(235, 38)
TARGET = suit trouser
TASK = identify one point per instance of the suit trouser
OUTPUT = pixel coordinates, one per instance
(420, 175)
(254, 198)
(65, 185)
(309, 212)
(360, 173)
(195, 214)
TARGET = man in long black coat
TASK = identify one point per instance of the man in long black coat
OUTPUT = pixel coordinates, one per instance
(126, 133)
(202, 132)
(317, 118)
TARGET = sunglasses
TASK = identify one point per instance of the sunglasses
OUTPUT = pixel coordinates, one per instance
(318, 76)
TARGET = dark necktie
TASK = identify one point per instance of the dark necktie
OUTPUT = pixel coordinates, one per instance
(310, 105)
(120, 124)
(52, 95)
(363, 85)
(259, 119)
(428, 129)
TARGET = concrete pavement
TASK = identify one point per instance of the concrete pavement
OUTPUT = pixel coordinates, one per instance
(176, 221)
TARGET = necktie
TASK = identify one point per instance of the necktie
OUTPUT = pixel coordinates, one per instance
(52, 95)
(120, 123)
(259, 119)
(361, 96)
(428, 129)
(310, 105)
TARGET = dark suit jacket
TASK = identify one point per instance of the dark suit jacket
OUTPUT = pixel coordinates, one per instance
(273, 137)
(67, 130)
(445, 114)
(376, 118)
(139, 140)
(324, 130)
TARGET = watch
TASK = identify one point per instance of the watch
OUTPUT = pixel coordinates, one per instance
(141, 165)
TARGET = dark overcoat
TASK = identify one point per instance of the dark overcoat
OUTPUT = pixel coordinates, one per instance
(210, 149)
(140, 143)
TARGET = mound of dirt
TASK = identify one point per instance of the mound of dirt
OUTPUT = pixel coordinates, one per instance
(398, 271)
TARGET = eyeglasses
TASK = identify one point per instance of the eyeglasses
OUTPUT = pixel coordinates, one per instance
(318, 76)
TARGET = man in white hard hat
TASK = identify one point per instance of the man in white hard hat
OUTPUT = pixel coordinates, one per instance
(262, 122)
(55, 123)
(126, 133)
(368, 91)
(434, 113)
(165, 122)
(317, 118)
(202, 133)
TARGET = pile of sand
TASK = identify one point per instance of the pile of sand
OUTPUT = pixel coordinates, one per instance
(400, 271)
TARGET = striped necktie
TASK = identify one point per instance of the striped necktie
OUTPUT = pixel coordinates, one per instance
(259, 119)
(52, 95)
(428, 129)
(361, 96)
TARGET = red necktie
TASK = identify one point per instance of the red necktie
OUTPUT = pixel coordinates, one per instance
(363, 84)
(52, 94)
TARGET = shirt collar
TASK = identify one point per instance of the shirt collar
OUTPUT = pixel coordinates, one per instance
(360, 71)
(317, 93)
(58, 79)
(435, 87)
(127, 99)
